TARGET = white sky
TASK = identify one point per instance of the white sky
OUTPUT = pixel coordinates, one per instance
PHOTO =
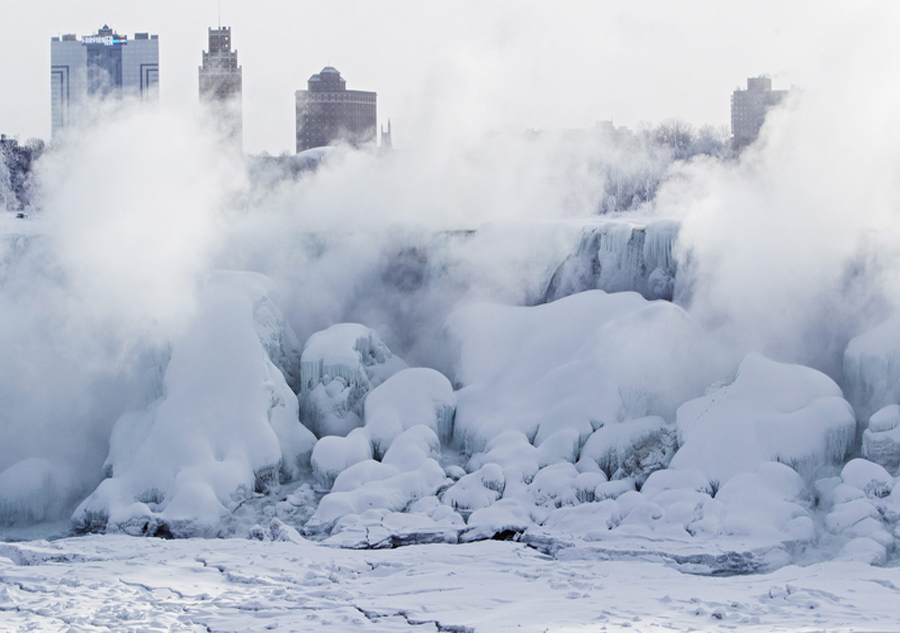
(463, 67)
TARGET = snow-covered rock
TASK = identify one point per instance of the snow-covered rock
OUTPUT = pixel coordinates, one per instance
(770, 412)
(631, 448)
(225, 425)
(584, 361)
(476, 490)
(333, 454)
(772, 502)
(338, 368)
(394, 493)
(881, 439)
(416, 396)
(412, 447)
(868, 477)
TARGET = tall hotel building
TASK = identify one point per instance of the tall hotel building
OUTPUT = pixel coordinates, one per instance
(102, 65)
(221, 84)
(328, 113)
(749, 107)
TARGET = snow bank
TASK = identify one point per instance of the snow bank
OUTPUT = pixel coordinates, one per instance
(582, 362)
(872, 368)
(411, 397)
(771, 412)
(226, 424)
(338, 368)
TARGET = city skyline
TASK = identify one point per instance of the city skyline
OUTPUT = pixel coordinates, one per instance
(460, 71)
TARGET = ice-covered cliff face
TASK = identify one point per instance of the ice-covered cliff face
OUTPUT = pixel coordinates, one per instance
(619, 256)
(226, 423)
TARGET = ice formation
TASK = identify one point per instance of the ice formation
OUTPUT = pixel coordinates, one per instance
(334, 454)
(582, 362)
(338, 368)
(863, 511)
(618, 256)
(872, 368)
(771, 412)
(226, 423)
(410, 397)
(631, 448)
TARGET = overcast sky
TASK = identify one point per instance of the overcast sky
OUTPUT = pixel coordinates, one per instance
(466, 66)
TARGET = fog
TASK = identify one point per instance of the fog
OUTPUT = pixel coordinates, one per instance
(789, 250)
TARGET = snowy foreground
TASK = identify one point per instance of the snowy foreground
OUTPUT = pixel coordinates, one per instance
(100, 583)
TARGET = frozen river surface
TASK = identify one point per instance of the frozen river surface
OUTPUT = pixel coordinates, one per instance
(119, 583)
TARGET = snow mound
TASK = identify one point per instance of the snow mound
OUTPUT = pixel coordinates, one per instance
(881, 440)
(34, 490)
(864, 504)
(334, 454)
(338, 368)
(872, 368)
(394, 493)
(579, 363)
(226, 424)
(411, 397)
(771, 412)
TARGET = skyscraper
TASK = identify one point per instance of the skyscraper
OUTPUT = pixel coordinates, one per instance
(749, 107)
(221, 83)
(328, 113)
(102, 65)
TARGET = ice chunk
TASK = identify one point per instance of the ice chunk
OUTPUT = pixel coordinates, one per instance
(515, 455)
(772, 502)
(362, 472)
(418, 396)
(771, 412)
(554, 486)
(412, 447)
(225, 425)
(504, 519)
(334, 454)
(881, 440)
(591, 521)
(869, 477)
(476, 490)
(562, 446)
(338, 368)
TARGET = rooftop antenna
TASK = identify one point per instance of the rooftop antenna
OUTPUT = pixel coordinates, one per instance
(220, 15)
